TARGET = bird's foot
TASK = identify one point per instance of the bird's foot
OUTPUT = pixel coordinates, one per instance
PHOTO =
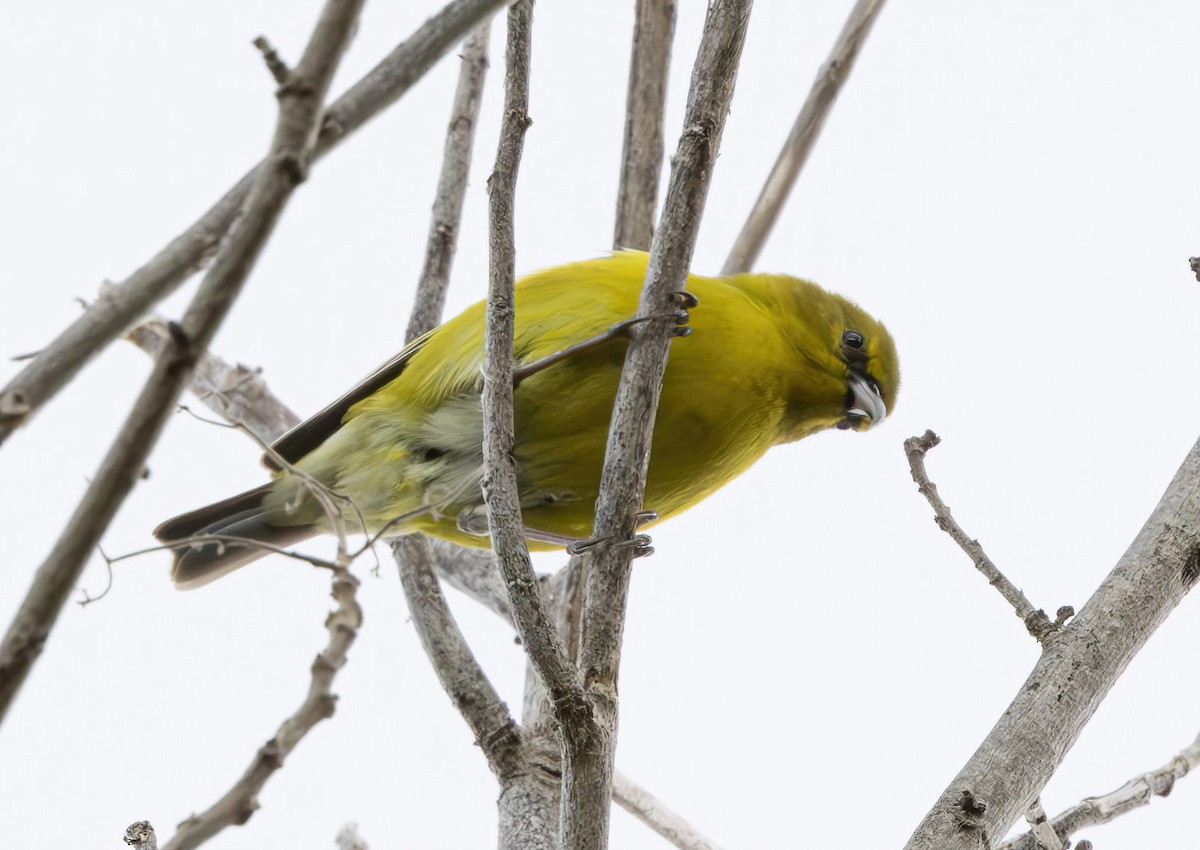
(639, 542)
(685, 301)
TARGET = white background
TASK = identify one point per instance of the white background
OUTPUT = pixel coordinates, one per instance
(1010, 186)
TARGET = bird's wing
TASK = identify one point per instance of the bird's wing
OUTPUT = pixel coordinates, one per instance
(556, 308)
(315, 430)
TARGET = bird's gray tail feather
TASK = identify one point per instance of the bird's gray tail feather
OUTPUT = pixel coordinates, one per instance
(197, 563)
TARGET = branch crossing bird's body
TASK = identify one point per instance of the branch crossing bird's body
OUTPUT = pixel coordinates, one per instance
(770, 359)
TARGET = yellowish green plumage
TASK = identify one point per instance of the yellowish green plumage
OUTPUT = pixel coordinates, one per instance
(770, 359)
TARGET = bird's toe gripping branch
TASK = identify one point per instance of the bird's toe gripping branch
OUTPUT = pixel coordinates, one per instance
(639, 542)
(685, 301)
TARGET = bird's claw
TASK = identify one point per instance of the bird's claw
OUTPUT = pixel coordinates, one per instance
(683, 298)
(579, 547)
(640, 543)
(685, 301)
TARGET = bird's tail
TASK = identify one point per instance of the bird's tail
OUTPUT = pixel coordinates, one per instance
(242, 516)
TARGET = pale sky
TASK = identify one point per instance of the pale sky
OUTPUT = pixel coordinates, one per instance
(1011, 187)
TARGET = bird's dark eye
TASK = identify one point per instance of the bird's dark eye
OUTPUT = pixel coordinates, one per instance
(852, 339)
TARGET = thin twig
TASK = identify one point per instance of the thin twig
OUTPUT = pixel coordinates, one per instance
(645, 102)
(460, 674)
(500, 478)
(240, 802)
(291, 149)
(803, 137)
(192, 250)
(1134, 794)
(1072, 676)
(1035, 620)
(644, 806)
(88, 599)
(587, 768)
(275, 64)
(230, 539)
(430, 298)
(236, 393)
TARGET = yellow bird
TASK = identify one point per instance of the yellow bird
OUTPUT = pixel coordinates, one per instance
(769, 359)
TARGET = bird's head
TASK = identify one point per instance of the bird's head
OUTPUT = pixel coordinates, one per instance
(848, 374)
(869, 367)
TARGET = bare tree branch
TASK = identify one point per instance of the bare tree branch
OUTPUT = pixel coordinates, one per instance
(460, 674)
(643, 805)
(291, 149)
(528, 800)
(241, 801)
(236, 393)
(641, 158)
(1078, 666)
(472, 571)
(1134, 794)
(123, 303)
(500, 478)
(803, 137)
(588, 762)
(1035, 620)
(528, 805)
(238, 804)
(452, 186)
